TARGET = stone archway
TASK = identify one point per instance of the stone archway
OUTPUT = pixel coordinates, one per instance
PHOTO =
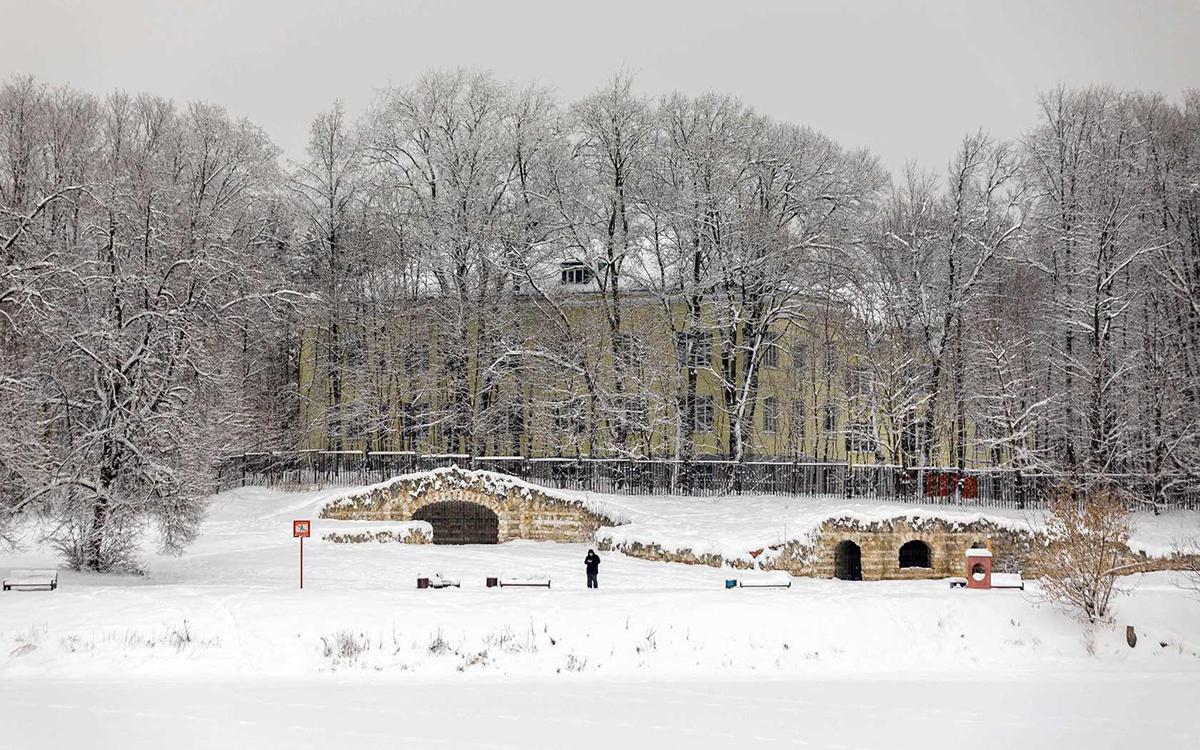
(460, 522)
(915, 554)
(847, 561)
(485, 508)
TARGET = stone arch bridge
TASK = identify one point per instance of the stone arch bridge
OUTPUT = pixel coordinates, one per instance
(471, 507)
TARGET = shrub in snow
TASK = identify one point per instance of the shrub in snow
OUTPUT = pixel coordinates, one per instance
(1188, 554)
(574, 663)
(414, 532)
(344, 647)
(439, 645)
(1085, 542)
(114, 550)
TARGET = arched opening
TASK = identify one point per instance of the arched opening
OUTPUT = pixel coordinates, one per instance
(915, 554)
(978, 572)
(458, 522)
(847, 561)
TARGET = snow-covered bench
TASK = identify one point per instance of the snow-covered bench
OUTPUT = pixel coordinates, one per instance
(437, 581)
(998, 581)
(31, 580)
(519, 582)
(1008, 581)
(774, 579)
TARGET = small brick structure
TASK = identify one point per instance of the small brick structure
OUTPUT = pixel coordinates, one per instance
(522, 511)
(979, 568)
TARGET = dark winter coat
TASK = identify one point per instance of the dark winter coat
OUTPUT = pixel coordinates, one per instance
(592, 561)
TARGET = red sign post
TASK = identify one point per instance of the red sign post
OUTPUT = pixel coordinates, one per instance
(300, 530)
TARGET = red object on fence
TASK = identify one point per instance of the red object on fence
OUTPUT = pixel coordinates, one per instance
(941, 484)
(301, 530)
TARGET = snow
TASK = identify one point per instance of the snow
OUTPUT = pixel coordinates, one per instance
(764, 579)
(1166, 533)
(341, 532)
(1007, 581)
(221, 644)
(976, 712)
(977, 552)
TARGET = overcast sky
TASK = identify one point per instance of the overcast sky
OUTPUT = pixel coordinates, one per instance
(905, 79)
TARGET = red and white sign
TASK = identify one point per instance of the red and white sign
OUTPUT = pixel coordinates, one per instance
(301, 530)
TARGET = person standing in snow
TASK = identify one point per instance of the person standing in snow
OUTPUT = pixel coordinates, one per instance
(592, 561)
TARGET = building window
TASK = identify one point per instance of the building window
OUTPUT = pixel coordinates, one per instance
(989, 441)
(573, 272)
(858, 382)
(770, 414)
(771, 356)
(568, 417)
(699, 355)
(514, 419)
(831, 417)
(630, 352)
(705, 414)
(913, 438)
(915, 554)
(859, 438)
(798, 427)
(797, 353)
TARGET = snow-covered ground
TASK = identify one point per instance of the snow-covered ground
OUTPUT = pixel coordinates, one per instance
(1063, 712)
(220, 648)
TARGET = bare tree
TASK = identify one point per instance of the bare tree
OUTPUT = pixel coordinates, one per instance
(1085, 544)
(128, 227)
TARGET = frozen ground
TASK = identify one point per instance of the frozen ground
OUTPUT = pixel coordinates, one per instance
(219, 648)
(903, 714)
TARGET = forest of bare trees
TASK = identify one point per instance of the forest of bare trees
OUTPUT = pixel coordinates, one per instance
(172, 291)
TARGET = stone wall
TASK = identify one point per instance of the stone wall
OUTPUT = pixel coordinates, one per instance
(524, 511)
(948, 542)
(880, 543)
(527, 512)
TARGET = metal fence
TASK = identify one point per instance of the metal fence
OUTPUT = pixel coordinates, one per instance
(708, 477)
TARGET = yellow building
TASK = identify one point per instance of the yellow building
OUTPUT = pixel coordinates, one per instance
(818, 396)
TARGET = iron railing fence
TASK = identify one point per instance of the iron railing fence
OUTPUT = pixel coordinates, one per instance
(704, 477)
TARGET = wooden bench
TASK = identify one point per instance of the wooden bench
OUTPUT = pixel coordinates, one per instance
(437, 581)
(1008, 581)
(999, 581)
(521, 582)
(32, 580)
(775, 579)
